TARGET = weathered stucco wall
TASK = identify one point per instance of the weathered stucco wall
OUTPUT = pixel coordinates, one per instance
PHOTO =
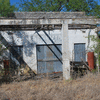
(70, 32)
(29, 40)
(78, 36)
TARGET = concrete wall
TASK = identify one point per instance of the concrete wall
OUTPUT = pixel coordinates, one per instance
(80, 36)
(29, 40)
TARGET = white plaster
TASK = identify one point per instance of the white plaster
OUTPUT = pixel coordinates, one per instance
(29, 40)
(77, 36)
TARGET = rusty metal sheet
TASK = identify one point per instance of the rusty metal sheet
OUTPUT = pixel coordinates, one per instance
(48, 53)
(41, 67)
(40, 52)
(57, 52)
(46, 59)
(49, 67)
(57, 66)
(79, 52)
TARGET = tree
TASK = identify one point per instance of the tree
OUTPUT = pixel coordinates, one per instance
(6, 8)
(91, 7)
(43, 5)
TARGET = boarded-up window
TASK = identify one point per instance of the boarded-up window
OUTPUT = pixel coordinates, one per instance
(79, 52)
(49, 61)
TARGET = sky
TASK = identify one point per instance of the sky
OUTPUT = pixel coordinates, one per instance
(98, 1)
(15, 1)
(18, 1)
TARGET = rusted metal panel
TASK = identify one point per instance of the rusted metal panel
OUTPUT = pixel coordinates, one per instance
(91, 60)
(57, 52)
(40, 51)
(49, 67)
(57, 66)
(79, 52)
(48, 53)
(41, 67)
(6, 66)
(47, 61)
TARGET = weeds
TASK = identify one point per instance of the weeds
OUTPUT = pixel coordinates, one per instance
(86, 88)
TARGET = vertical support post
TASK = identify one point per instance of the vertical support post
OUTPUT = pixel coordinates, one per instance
(65, 51)
(98, 62)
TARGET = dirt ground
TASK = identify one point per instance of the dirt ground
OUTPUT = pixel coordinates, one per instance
(86, 88)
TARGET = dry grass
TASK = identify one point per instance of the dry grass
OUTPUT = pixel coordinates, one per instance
(87, 88)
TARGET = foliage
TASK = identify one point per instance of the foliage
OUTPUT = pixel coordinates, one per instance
(6, 8)
(43, 5)
(96, 46)
(91, 7)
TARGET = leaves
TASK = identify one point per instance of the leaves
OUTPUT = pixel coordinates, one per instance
(89, 6)
(42, 5)
(5, 8)
(96, 46)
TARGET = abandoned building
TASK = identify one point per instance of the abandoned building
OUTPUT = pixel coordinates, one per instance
(47, 42)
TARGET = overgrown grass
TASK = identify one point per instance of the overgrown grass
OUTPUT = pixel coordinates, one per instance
(86, 88)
